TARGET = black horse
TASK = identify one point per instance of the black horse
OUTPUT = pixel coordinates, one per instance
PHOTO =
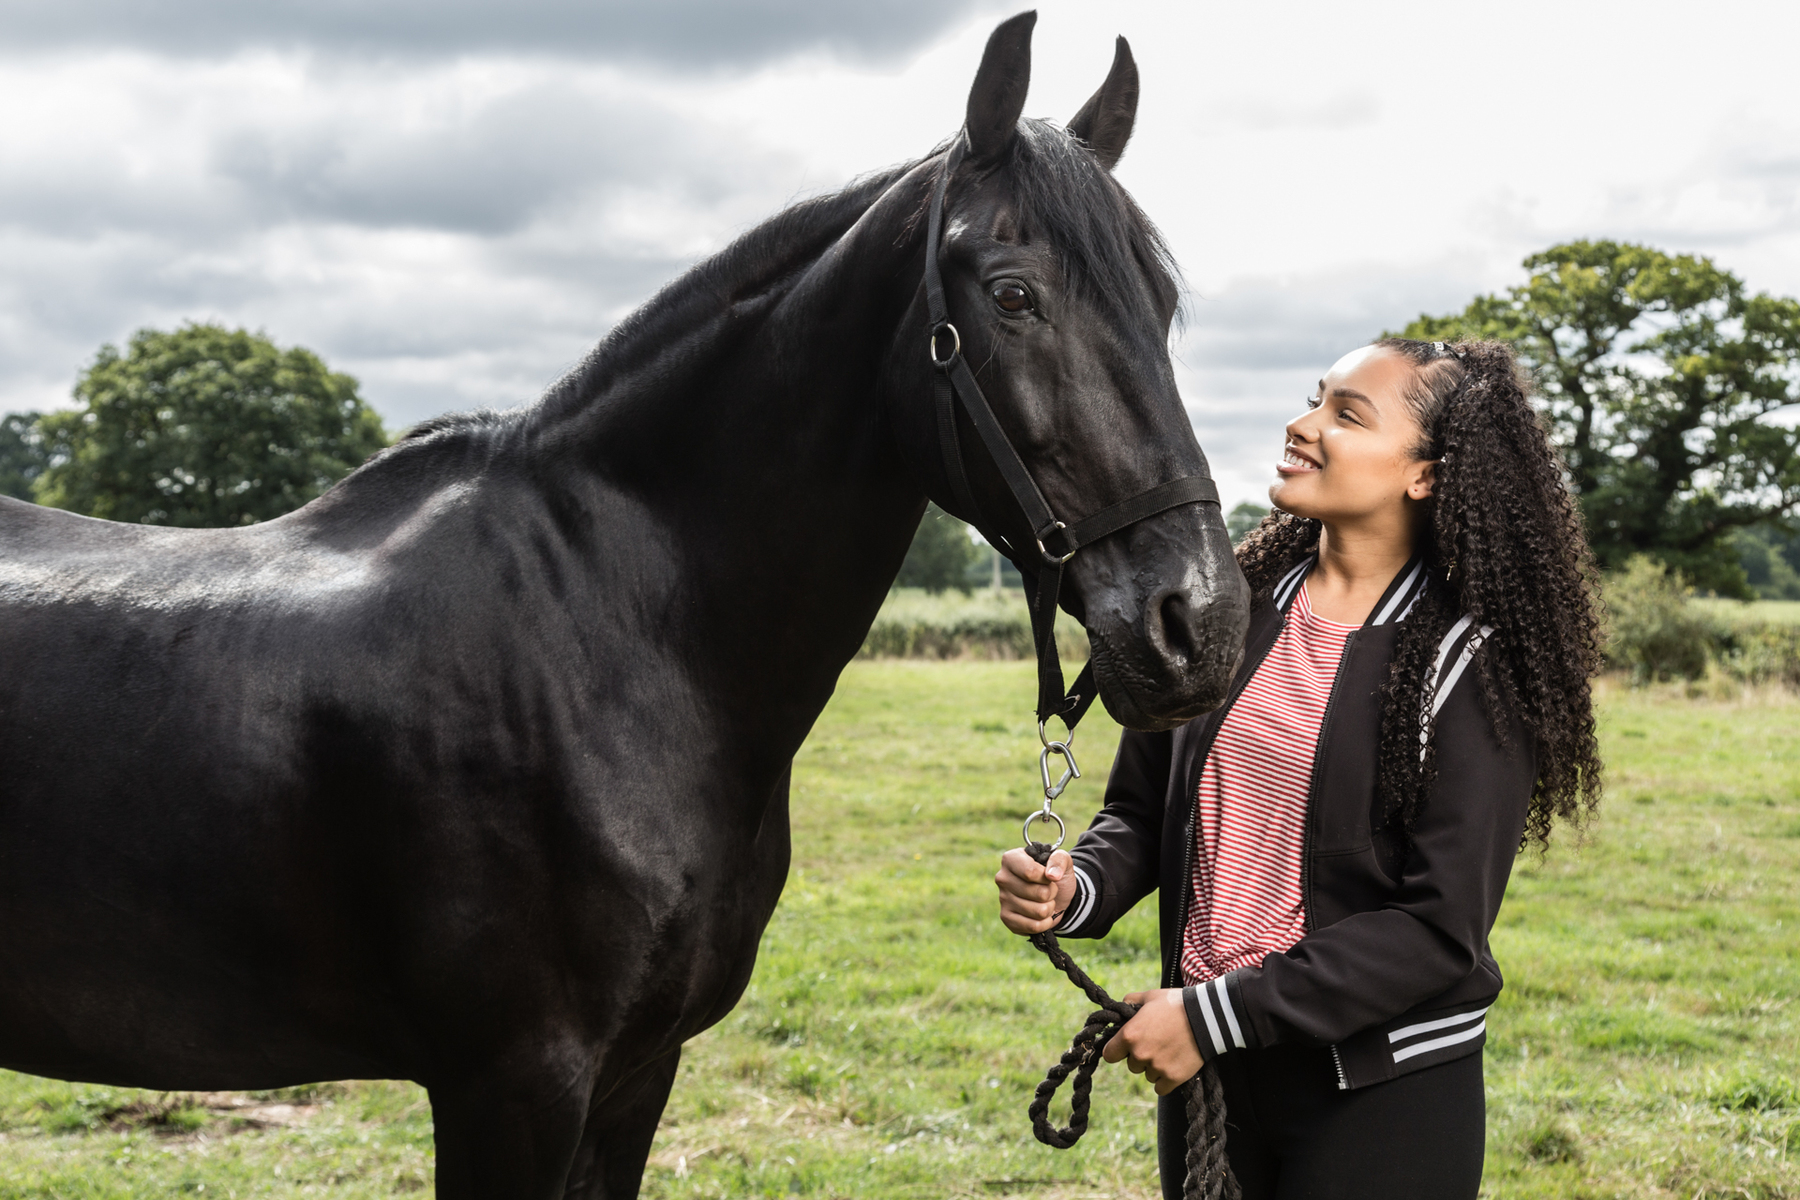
(474, 771)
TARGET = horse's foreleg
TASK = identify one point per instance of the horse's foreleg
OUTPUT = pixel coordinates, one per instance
(610, 1163)
(508, 1135)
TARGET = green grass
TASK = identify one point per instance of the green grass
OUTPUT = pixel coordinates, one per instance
(1645, 1046)
(1737, 612)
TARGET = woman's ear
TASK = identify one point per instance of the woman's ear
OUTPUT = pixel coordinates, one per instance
(1422, 480)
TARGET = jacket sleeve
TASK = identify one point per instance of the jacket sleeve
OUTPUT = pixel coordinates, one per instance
(1116, 859)
(1430, 934)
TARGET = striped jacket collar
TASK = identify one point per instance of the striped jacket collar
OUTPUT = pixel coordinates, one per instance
(1394, 606)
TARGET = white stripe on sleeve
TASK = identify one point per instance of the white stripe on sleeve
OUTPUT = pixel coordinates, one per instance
(1212, 1022)
(1400, 1035)
(1082, 905)
(1439, 1043)
(1237, 1034)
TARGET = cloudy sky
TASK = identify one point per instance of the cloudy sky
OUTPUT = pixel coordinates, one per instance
(453, 200)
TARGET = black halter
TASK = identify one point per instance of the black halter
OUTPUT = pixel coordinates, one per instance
(1057, 542)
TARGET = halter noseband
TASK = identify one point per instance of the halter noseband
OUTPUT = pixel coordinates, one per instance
(1057, 542)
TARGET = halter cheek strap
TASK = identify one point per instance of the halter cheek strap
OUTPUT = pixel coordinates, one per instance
(1057, 542)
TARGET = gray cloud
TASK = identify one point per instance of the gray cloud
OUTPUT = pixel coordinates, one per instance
(1254, 350)
(451, 250)
(1307, 322)
(489, 172)
(695, 33)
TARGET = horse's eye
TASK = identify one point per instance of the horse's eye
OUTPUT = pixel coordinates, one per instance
(1012, 297)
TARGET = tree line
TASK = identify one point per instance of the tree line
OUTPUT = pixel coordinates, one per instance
(1669, 387)
(201, 427)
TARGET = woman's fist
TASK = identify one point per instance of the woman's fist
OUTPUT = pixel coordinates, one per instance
(1158, 1043)
(1032, 897)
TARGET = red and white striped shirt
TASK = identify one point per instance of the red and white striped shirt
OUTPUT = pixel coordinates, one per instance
(1250, 813)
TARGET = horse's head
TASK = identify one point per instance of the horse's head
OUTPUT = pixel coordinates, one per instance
(1063, 296)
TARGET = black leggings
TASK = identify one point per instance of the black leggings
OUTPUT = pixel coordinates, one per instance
(1292, 1135)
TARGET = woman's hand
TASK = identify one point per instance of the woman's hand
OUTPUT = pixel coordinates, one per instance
(1158, 1043)
(1032, 897)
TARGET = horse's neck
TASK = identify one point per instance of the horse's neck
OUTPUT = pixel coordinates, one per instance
(769, 468)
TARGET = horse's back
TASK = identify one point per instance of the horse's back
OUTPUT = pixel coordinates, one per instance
(267, 779)
(161, 835)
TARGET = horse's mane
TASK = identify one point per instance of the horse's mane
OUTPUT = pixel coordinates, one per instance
(751, 265)
(1062, 193)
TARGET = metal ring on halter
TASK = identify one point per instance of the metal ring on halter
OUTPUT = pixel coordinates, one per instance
(955, 345)
(1067, 739)
(1050, 558)
(1044, 814)
(1070, 771)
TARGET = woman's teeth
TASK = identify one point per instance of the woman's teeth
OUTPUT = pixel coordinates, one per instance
(1290, 459)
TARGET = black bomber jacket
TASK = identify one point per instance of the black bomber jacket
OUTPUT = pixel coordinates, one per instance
(1393, 972)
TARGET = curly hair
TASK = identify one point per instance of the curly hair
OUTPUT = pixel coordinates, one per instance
(1507, 548)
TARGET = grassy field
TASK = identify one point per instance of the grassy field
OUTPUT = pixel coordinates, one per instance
(1737, 612)
(1645, 1046)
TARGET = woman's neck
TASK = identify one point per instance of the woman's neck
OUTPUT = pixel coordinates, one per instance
(1355, 567)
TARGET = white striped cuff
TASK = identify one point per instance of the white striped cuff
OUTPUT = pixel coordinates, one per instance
(1218, 1017)
(1082, 906)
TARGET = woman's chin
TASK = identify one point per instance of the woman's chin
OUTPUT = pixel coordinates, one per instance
(1288, 493)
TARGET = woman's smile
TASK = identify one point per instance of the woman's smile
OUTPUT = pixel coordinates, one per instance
(1293, 462)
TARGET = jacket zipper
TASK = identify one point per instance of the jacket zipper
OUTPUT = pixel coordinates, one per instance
(1172, 973)
(1312, 790)
(1306, 833)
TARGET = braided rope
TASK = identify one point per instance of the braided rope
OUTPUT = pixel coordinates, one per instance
(1083, 1055)
(1208, 1174)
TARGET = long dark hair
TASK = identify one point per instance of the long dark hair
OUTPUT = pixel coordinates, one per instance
(1506, 547)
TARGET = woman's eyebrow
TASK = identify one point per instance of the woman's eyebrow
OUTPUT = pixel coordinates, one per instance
(1344, 393)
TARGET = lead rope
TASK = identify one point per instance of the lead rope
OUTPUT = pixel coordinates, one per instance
(1208, 1175)
(954, 387)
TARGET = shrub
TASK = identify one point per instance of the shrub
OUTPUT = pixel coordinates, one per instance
(1761, 652)
(1652, 630)
(986, 624)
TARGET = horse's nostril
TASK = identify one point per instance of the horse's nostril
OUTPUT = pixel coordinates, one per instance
(1171, 627)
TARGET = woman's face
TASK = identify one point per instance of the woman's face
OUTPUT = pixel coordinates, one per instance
(1349, 457)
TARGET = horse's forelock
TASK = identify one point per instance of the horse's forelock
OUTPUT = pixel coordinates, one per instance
(1108, 246)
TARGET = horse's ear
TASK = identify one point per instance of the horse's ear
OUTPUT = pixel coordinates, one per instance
(998, 96)
(1105, 121)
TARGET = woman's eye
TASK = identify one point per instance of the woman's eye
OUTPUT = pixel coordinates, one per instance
(1312, 402)
(1012, 297)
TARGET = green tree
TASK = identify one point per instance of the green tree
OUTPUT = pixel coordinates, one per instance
(1660, 375)
(204, 426)
(941, 554)
(1243, 519)
(1771, 559)
(22, 454)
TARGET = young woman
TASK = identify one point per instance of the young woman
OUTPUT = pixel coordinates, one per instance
(1331, 846)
